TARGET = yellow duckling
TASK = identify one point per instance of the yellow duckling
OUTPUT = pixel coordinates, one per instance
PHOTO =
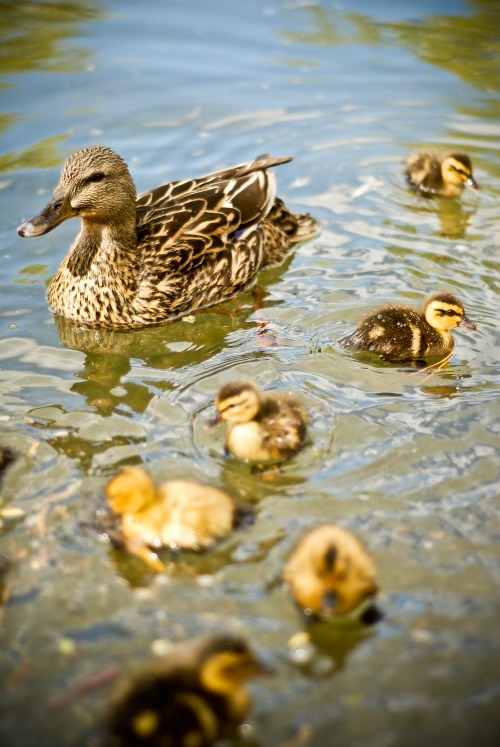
(438, 174)
(192, 697)
(177, 514)
(261, 427)
(183, 246)
(331, 575)
(399, 333)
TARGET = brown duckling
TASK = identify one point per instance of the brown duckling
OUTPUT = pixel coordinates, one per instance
(192, 697)
(261, 426)
(331, 575)
(183, 246)
(176, 514)
(438, 174)
(399, 333)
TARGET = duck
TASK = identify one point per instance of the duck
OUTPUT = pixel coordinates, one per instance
(440, 174)
(331, 576)
(194, 695)
(178, 514)
(183, 246)
(261, 426)
(398, 333)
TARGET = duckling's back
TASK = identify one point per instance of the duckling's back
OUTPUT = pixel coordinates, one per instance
(283, 422)
(170, 708)
(423, 170)
(391, 332)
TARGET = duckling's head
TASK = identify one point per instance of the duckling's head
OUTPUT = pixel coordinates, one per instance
(227, 662)
(238, 401)
(131, 490)
(456, 170)
(444, 311)
(96, 185)
(330, 573)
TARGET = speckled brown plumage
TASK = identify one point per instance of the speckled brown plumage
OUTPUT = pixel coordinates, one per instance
(261, 426)
(180, 247)
(404, 333)
(435, 173)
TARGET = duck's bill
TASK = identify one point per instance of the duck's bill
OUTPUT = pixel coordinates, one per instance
(472, 184)
(51, 216)
(467, 324)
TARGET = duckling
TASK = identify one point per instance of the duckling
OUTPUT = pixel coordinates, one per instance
(192, 697)
(183, 246)
(176, 514)
(398, 333)
(435, 173)
(330, 574)
(261, 427)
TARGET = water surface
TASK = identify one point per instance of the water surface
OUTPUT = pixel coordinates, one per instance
(179, 89)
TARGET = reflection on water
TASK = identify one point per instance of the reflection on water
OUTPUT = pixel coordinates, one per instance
(411, 466)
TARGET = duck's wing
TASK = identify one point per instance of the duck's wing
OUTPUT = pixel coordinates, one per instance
(160, 196)
(205, 237)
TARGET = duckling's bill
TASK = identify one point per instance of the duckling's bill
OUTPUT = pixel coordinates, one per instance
(467, 324)
(472, 184)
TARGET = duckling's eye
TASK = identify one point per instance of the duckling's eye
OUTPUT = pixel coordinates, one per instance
(450, 312)
(461, 172)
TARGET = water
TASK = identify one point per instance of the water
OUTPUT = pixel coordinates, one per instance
(179, 89)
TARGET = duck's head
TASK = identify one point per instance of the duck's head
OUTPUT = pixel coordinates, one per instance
(331, 574)
(456, 170)
(238, 401)
(227, 662)
(95, 184)
(444, 311)
(131, 490)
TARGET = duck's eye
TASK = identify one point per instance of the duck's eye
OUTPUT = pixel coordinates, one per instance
(450, 312)
(97, 177)
(57, 204)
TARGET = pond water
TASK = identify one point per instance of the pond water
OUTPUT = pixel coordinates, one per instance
(180, 89)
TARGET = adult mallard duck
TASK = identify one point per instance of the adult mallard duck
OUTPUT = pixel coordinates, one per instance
(435, 173)
(331, 575)
(399, 333)
(261, 426)
(180, 247)
(195, 695)
(178, 514)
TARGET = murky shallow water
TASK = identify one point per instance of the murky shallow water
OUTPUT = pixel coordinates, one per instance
(179, 89)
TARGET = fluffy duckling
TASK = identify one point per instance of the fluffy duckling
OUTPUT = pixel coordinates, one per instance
(434, 173)
(331, 575)
(183, 246)
(399, 333)
(176, 514)
(261, 427)
(192, 697)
